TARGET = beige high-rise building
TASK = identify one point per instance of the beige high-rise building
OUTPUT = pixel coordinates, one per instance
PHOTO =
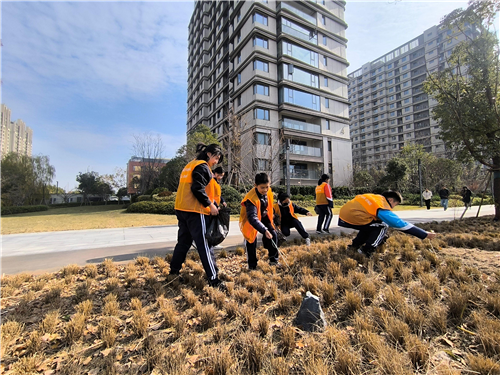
(270, 74)
(389, 108)
(16, 136)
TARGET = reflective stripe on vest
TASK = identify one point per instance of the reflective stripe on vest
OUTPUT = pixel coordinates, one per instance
(248, 231)
(217, 193)
(185, 199)
(320, 194)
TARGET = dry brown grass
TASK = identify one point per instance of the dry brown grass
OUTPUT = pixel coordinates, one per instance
(394, 314)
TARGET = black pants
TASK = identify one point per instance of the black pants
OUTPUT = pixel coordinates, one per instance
(428, 203)
(293, 223)
(369, 236)
(324, 217)
(272, 250)
(192, 227)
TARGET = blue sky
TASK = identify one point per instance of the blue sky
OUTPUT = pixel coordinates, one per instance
(87, 76)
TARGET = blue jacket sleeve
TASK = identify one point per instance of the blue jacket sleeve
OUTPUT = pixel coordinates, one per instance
(394, 221)
(253, 219)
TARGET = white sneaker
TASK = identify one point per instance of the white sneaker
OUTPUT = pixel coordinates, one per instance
(218, 247)
(308, 241)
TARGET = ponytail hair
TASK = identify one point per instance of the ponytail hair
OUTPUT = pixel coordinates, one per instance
(202, 150)
(323, 178)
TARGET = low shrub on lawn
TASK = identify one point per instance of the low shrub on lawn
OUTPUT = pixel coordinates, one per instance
(22, 209)
(148, 207)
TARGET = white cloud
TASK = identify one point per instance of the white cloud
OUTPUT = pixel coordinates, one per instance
(97, 50)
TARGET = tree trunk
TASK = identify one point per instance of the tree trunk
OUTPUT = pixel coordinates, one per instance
(496, 186)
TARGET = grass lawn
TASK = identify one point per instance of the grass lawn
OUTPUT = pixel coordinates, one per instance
(97, 217)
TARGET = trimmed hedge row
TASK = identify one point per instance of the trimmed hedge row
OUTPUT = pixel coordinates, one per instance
(147, 207)
(22, 209)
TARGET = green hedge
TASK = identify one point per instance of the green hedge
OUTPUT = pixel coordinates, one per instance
(148, 207)
(144, 198)
(22, 209)
(167, 198)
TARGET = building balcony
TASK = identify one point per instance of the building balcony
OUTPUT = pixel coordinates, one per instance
(305, 150)
(304, 174)
(300, 126)
(308, 17)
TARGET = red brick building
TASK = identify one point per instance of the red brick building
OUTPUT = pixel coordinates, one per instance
(135, 168)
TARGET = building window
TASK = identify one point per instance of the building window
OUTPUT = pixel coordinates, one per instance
(323, 20)
(407, 109)
(238, 79)
(262, 139)
(261, 89)
(330, 146)
(326, 82)
(238, 17)
(261, 114)
(262, 164)
(300, 98)
(261, 65)
(239, 100)
(325, 61)
(259, 18)
(238, 38)
(407, 100)
(327, 103)
(406, 92)
(260, 42)
(328, 125)
(239, 58)
(324, 40)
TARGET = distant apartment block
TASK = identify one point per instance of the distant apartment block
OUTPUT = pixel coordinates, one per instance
(278, 71)
(134, 171)
(16, 136)
(388, 106)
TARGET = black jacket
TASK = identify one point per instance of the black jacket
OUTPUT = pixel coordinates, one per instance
(444, 193)
(201, 177)
(285, 212)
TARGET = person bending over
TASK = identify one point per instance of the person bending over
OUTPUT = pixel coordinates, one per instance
(286, 213)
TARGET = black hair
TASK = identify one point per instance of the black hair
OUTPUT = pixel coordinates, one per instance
(394, 195)
(323, 178)
(261, 178)
(203, 150)
(219, 170)
(283, 196)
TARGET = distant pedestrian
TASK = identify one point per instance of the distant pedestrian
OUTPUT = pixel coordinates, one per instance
(324, 204)
(427, 195)
(286, 213)
(466, 197)
(219, 175)
(444, 194)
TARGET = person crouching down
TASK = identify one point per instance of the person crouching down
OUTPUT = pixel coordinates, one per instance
(194, 208)
(372, 215)
(256, 216)
(287, 214)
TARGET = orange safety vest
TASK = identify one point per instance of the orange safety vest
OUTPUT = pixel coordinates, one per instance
(249, 232)
(278, 211)
(320, 194)
(363, 209)
(217, 192)
(185, 199)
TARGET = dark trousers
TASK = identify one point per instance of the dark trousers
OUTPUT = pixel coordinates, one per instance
(272, 249)
(428, 203)
(192, 227)
(293, 223)
(369, 236)
(324, 217)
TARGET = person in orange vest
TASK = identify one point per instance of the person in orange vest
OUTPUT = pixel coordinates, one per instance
(372, 215)
(219, 175)
(256, 215)
(286, 212)
(194, 208)
(324, 204)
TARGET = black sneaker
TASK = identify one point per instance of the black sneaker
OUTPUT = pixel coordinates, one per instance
(327, 231)
(319, 232)
(218, 284)
(352, 248)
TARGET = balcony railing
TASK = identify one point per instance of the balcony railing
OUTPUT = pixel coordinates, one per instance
(308, 37)
(305, 150)
(298, 12)
(301, 126)
(303, 174)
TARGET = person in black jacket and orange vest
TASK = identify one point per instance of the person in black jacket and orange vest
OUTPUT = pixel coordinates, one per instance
(324, 204)
(219, 175)
(372, 215)
(194, 208)
(286, 213)
(256, 215)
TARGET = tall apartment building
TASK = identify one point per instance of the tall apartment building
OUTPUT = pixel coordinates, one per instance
(15, 136)
(275, 74)
(388, 106)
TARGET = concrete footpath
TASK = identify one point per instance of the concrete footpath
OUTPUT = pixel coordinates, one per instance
(50, 251)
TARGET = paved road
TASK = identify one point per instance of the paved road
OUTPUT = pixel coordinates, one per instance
(50, 251)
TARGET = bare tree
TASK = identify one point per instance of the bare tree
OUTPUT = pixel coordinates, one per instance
(117, 180)
(148, 148)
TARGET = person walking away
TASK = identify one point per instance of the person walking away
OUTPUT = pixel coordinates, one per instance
(219, 175)
(324, 204)
(466, 197)
(427, 195)
(286, 211)
(256, 216)
(194, 208)
(372, 215)
(444, 194)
